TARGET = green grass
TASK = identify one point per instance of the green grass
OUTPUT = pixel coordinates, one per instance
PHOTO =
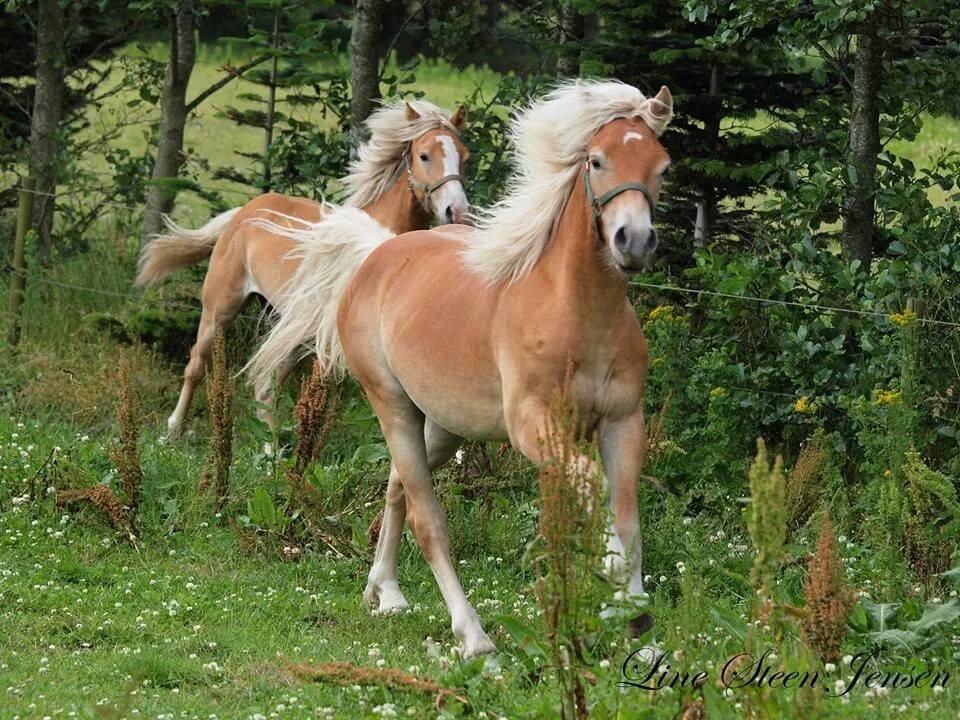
(183, 624)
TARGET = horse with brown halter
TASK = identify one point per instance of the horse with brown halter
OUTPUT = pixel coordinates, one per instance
(407, 173)
(462, 332)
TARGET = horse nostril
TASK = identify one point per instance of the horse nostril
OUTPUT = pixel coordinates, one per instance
(449, 213)
(620, 238)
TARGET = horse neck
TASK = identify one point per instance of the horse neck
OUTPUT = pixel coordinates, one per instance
(397, 209)
(574, 266)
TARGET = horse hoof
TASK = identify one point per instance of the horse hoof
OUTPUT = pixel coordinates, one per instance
(640, 625)
(385, 599)
(480, 645)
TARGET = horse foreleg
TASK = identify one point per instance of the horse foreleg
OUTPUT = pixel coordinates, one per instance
(383, 589)
(622, 446)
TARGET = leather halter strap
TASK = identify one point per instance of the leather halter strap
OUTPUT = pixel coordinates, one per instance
(598, 202)
(426, 188)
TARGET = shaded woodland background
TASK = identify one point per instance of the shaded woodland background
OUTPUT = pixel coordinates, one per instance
(815, 171)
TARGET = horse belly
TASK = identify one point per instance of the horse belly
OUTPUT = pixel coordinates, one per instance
(437, 343)
(454, 384)
(469, 410)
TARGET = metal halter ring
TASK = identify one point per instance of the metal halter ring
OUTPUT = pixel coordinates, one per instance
(425, 188)
(598, 203)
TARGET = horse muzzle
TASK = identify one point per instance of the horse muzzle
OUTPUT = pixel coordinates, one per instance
(633, 247)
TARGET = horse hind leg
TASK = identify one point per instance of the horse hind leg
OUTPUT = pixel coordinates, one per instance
(403, 427)
(383, 588)
(214, 317)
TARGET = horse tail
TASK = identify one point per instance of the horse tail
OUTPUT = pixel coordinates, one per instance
(330, 251)
(179, 247)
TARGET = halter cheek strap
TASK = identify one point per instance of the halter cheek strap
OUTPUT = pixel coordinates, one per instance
(426, 189)
(598, 202)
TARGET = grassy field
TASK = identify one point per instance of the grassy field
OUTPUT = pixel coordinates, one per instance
(192, 622)
(185, 624)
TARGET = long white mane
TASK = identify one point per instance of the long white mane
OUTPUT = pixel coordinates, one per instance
(550, 139)
(329, 252)
(378, 160)
(332, 248)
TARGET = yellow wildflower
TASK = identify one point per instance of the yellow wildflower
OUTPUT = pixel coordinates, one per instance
(907, 317)
(803, 405)
(718, 392)
(887, 397)
(888, 472)
(661, 310)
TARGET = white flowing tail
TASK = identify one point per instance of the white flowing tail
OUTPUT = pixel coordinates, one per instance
(330, 251)
(179, 247)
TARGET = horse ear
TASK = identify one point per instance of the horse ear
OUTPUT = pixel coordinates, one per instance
(459, 118)
(411, 113)
(661, 109)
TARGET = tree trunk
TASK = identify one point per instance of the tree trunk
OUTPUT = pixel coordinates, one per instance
(45, 121)
(173, 117)
(271, 105)
(858, 209)
(570, 40)
(707, 205)
(364, 63)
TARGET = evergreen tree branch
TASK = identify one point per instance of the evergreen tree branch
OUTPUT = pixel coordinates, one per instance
(231, 74)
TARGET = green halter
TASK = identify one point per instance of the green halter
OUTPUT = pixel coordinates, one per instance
(598, 203)
(426, 188)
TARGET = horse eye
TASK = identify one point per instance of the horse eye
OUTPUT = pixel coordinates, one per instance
(595, 163)
(424, 157)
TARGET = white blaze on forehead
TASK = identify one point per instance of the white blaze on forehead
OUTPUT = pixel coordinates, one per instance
(451, 156)
(451, 194)
(632, 135)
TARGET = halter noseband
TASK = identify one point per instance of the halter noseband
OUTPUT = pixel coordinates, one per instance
(426, 188)
(598, 203)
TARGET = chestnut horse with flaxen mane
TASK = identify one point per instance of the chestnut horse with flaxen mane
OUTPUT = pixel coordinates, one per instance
(462, 332)
(409, 172)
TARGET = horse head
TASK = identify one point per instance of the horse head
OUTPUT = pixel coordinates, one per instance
(622, 176)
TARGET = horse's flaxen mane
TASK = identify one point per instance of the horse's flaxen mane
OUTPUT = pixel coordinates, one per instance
(391, 131)
(550, 139)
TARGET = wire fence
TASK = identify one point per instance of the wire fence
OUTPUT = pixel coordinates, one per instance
(141, 300)
(132, 208)
(787, 303)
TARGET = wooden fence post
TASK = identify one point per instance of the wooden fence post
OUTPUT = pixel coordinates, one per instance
(18, 282)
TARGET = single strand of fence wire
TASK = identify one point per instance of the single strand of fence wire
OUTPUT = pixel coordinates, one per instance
(99, 291)
(113, 203)
(789, 303)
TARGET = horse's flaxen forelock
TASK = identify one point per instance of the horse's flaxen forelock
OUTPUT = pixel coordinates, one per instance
(391, 131)
(550, 139)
